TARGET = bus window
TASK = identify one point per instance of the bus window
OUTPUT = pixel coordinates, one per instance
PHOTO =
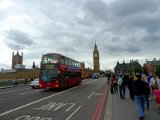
(71, 74)
(70, 62)
(50, 58)
(73, 63)
(66, 61)
(62, 60)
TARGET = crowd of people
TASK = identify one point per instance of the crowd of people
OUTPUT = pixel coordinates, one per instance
(140, 87)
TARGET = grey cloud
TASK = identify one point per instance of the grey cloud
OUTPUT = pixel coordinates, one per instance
(122, 8)
(72, 27)
(123, 49)
(152, 38)
(97, 9)
(16, 37)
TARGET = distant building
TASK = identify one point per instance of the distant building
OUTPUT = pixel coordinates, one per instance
(150, 66)
(86, 72)
(128, 68)
(19, 74)
(96, 64)
(17, 59)
(18, 70)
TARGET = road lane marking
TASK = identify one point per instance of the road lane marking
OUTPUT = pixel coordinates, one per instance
(72, 105)
(13, 91)
(99, 86)
(100, 105)
(91, 95)
(54, 106)
(28, 117)
(69, 117)
(31, 103)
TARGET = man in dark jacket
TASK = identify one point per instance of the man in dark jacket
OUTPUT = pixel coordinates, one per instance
(139, 95)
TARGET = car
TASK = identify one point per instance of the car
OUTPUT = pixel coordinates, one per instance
(35, 83)
(95, 76)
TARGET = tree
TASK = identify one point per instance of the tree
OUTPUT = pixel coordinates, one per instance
(132, 70)
(138, 70)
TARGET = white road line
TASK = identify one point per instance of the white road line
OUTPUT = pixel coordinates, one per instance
(31, 103)
(72, 105)
(13, 91)
(73, 113)
(98, 87)
(91, 95)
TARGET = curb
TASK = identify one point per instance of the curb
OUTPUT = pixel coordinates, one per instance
(6, 87)
(12, 86)
(109, 107)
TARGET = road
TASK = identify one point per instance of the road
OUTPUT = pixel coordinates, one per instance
(83, 102)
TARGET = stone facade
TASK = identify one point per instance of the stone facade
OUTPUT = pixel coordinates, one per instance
(128, 68)
(150, 66)
(19, 74)
(17, 59)
(10, 74)
(96, 65)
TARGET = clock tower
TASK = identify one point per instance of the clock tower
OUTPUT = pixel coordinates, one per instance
(96, 59)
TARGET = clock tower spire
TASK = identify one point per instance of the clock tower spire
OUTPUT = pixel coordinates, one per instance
(96, 59)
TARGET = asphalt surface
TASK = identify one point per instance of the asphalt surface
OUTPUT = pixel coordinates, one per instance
(83, 102)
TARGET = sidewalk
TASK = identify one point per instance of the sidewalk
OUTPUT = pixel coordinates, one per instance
(117, 109)
(6, 87)
(3, 87)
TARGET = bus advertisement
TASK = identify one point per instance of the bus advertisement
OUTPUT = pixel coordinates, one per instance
(58, 71)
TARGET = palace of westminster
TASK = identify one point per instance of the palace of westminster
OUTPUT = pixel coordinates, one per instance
(18, 70)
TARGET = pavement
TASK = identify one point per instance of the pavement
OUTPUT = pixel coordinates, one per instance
(3, 87)
(117, 109)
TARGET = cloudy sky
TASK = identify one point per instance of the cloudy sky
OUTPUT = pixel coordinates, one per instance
(122, 29)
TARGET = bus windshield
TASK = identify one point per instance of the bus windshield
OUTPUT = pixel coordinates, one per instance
(49, 58)
(49, 75)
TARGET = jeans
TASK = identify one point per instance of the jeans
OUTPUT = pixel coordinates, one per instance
(140, 101)
(147, 101)
(122, 91)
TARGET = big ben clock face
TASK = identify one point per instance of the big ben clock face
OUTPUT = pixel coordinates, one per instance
(95, 55)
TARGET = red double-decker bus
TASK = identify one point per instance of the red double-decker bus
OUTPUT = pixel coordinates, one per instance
(58, 71)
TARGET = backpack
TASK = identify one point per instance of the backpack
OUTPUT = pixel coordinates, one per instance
(120, 81)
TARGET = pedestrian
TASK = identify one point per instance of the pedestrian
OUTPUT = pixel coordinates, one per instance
(108, 77)
(139, 95)
(158, 82)
(121, 83)
(130, 87)
(114, 81)
(25, 81)
(147, 91)
(150, 82)
(16, 82)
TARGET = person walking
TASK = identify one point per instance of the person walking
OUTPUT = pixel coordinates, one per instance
(158, 82)
(114, 81)
(122, 87)
(130, 87)
(147, 91)
(139, 95)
